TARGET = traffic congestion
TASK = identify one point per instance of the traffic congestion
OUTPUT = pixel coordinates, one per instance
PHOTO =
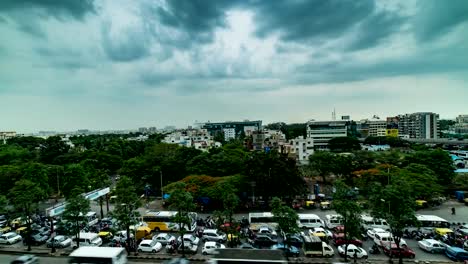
(321, 236)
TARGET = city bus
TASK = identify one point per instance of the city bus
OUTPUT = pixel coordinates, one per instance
(91, 218)
(427, 223)
(257, 220)
(98, 255)
(165, 221)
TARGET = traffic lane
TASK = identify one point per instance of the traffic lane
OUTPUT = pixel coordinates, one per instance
(4, 259)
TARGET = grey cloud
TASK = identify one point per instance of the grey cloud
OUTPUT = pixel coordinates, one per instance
(375, 28)
(74, 8)
(198, 18)
(436, 18)
(64, 58)
(128, 45)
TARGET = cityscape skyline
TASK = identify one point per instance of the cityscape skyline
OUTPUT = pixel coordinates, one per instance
(102, 64)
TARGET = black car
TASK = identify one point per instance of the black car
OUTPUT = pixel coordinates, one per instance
(294, 240)
(264, 241)
(37, 239)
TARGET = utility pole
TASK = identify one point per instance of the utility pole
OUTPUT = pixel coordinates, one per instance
(162, 193)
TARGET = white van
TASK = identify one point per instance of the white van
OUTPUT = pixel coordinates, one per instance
(310, 221)
(369, 222)
(88, 240)
(333, 221)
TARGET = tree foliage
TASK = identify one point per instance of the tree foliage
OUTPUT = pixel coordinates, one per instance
(437, 160)
(349, 210)
(344, 144)
(75, 212)
(24, 196)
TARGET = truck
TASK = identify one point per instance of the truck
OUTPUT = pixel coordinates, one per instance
(247, 256)
(314, 247)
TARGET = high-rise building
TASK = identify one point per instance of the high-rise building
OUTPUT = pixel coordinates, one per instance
(377, 127)
(238, 127)
(422, 125)
(322, 131)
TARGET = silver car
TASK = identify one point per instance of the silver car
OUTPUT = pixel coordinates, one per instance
(432, 245)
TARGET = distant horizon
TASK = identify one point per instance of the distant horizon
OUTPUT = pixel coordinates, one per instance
(135, 129)
(105, 64)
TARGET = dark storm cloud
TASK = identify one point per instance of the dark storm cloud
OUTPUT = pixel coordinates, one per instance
(129, 45)
(198, 18)
(435, 18)
(74, 8)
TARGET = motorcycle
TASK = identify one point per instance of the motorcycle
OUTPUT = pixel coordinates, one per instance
(374, 249)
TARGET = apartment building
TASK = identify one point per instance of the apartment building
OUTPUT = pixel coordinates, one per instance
(423, 125)
(300, 148)
(322, 131)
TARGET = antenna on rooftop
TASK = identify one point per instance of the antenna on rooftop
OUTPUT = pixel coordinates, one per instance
(334, 114)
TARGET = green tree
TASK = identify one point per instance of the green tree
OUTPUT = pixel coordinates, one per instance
(52, 148)
(126, 206)
(3, 204)
(182, 201)
(76, 208)
(346, 206)
(286, 218)
(322, 162)
(395, 203)
(230, 203)
(344, 144)
(25, 196)
(438, 161)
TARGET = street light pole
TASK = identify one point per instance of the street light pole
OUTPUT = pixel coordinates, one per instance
(162, 193)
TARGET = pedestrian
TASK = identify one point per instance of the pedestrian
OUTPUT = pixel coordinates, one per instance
(453, 211)
(355, 256)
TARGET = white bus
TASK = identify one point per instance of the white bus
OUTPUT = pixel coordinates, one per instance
(164, 221)
(91, 218)
(369, 222)
(427, 223)
(310, 221)
(98, 255)
(333, 221)
(257, 220)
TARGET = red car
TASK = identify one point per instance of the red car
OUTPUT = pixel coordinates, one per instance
(404, 251)
(338, 240)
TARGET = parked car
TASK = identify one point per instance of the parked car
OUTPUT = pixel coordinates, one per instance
(290, 251)
(264, 241)
(121, 236)
(164, 238)
(382, 239)
(188, 247)
(371, 232)
(339, 240)
(321, 232)
(456, 253)
(210, 247)
(351, 251)
(3, 220)
(294, 240)
(10, 238)
(189, 238)
(26, 259)
(393, 251)
(59, 242)
(432, 245)
(213, 235)
(37, 239)
(246, 246)
(149, 245)
(266, 230)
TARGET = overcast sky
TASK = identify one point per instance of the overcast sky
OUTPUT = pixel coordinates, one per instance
(116, 64)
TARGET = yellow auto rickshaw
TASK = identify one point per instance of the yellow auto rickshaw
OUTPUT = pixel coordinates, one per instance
(21, 231)
(442, 231)
(310, 204)
(106, 236)
(421, 203)
(325, 205)
(4, 230)
(143, 232)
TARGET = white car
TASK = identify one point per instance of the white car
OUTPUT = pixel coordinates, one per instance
(189, 238)
(164, 238)
(381, 239)
(213, 235)
(10, 238)
(121, 236)
(371, 232)
(320, 232)
(149, 245)
(351, 250)
(210, 247)
(266, 230)
(432, 245)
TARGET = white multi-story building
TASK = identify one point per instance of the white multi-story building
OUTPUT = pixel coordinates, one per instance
(4, 135)
(302, 148)
(229, 133)
(197, 138)
(322, 131)
(377, 127)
